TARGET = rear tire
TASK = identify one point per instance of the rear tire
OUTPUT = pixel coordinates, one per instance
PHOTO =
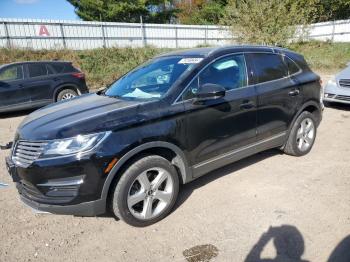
(302, 136)
(146, 191)
(66, 94)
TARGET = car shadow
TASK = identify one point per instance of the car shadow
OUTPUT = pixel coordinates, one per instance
(16, 113)
(187, 189)
(338, 106)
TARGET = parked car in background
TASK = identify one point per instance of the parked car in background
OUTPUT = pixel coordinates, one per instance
(165, 123)
(338, 88)
(35, 84)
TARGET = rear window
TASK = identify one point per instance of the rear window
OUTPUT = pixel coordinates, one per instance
(36, 70)
(269, 67)
(62, 68)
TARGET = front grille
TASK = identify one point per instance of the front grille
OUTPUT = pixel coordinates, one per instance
(344, 83)
(25, 152)
(345, 98)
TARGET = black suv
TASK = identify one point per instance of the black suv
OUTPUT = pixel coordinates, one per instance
(36, 84)
(167, 122)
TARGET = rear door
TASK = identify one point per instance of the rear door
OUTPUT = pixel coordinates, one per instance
(218, 127)
(12, 90)
(278, 94)
(40, 82)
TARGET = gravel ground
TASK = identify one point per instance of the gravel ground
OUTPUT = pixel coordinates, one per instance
(300, 206)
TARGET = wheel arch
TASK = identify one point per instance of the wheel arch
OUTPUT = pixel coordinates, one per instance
(165, 149)
(310, 106)
(65, 86)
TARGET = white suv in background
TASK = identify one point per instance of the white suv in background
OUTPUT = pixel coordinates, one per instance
(338, 88)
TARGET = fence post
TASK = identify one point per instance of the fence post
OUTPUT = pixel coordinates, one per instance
(103, 36)
(7, 36)
(63, 38)
(143, 33)
(206, 35)
(333, 31)
(176, 37)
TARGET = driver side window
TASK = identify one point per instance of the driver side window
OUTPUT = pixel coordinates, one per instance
(229, 72)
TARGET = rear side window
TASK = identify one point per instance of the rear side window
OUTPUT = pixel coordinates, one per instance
(292, 66)
(11, 73)
(269, 67)
(36, 70)
(62, 68)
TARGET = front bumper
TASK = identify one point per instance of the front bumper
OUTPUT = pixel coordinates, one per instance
(335, 93)
(66, 186)
(337, 99)
(91, 208)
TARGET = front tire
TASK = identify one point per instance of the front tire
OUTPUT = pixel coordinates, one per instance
(302, 136)
(146, 191)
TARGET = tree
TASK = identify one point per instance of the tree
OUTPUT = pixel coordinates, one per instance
(153, 11)
(200, 11)
(265, 21)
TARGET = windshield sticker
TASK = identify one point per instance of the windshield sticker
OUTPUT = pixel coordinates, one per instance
(190, 60)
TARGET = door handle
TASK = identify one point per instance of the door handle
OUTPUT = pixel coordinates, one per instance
(21, 85)
(294, 92)
(55, 79)
(247, 105)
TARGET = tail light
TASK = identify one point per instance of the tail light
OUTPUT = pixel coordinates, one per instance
(79, 75)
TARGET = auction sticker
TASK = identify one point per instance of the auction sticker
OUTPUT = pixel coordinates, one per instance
(190, 60)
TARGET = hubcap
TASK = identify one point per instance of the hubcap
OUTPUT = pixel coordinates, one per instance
(150, 193)
(67, 96)
(305, 134)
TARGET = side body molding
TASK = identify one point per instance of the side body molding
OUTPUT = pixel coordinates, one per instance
(179, 161)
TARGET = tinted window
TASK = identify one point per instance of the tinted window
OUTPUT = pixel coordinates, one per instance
(292, 67)
(11, 73)
(49, 70)
(229, 72)
(37, 70)
(58, 67)
(269, 67)
(62, 68)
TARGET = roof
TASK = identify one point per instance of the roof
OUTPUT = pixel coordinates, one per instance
(34, 62)
(206, 51)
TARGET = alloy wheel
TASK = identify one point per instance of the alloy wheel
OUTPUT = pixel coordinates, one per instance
(305, 134)
(150, 193)
(67, 96)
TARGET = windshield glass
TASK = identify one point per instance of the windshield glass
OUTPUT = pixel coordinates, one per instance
(153, 79)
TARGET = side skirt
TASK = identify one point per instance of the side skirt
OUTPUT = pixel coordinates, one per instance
(237, 154)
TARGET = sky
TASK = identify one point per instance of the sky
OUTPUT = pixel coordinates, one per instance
(37, 9)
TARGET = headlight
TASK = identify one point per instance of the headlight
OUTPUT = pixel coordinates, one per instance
(333, 81)
(80, 143)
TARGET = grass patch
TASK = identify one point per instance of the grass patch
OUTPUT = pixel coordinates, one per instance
(324, 57)
(103, 66)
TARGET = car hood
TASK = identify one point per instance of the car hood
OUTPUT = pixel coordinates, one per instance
(86, 114)
(344, 74)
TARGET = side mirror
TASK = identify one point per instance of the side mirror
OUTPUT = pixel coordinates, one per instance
(209, 92)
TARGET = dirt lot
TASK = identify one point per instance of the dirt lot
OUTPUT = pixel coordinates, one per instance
(305, 200)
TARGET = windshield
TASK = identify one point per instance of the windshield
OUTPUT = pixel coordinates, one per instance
(153, 79)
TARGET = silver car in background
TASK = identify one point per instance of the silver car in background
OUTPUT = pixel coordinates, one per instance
(338, 88)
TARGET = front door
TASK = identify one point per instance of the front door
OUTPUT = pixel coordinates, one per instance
(218, 127)
(12, 91)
